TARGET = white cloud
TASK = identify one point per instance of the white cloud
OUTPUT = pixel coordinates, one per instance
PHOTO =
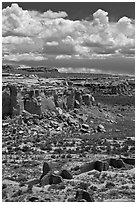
(16, 40)
(79, 70)
(126, 26)
(100, 17)
(17, 21)
(63, 57)
(54, 15)
(53, 43)
(27, 32)
(24, 57)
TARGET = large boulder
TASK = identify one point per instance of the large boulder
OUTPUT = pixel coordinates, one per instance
(55, 179)
(65, 174)
(87, 167)
(116, 163)
(82, 194)
(130, 161)
(32, 106)
(46, 168)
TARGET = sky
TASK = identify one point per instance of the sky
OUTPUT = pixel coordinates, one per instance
(95, 37)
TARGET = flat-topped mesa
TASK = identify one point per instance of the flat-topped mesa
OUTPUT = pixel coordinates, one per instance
(110, 87)
(40, 69)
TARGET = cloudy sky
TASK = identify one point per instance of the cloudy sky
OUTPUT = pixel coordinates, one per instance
(95, 37)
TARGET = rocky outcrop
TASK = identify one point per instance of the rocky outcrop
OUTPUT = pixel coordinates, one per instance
(10, 104)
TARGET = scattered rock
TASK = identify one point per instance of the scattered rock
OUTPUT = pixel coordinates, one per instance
(65, 174)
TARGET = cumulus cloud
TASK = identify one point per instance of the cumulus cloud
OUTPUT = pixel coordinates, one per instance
(50, 33)
(16, 40)
(126, 26)
(100, 17)
(54, 15)
(17, 21)
(59, 49)
(63, 57)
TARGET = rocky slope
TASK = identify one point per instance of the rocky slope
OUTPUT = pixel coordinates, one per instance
(80, 151)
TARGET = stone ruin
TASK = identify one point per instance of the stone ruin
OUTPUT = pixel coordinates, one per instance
(35, 101)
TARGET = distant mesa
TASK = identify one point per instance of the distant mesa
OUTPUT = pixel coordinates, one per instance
(9, 68)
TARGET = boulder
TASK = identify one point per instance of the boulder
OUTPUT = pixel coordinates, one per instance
(99, 165)
(32, 106)
(130, 161)
(116, 163)
(82, 194)
(46, 168)
(65, 174)
(45, 180)
(87, 167)
(55, 179)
